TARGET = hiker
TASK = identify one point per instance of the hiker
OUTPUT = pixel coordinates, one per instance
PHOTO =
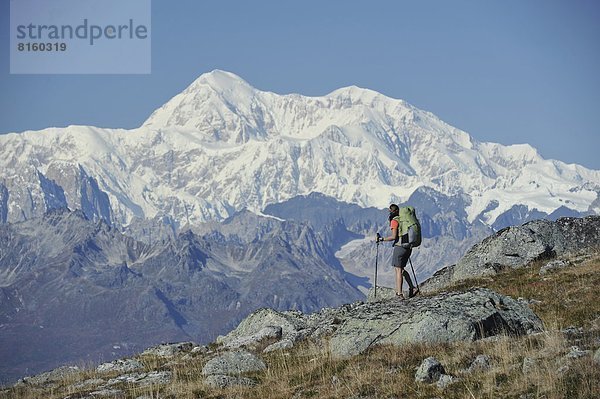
(402, 237)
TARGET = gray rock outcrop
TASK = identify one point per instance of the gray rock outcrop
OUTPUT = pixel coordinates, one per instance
(353, 328)
(462, 316)
(516, 246)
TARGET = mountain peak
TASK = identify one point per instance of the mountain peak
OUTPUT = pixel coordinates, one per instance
(220, 81)
(209, 98)
(354, 91)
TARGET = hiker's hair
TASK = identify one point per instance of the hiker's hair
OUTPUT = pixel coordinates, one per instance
(394, 210)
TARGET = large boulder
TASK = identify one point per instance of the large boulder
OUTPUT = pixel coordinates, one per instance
(459, 316)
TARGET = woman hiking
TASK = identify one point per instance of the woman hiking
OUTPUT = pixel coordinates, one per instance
(401, 237)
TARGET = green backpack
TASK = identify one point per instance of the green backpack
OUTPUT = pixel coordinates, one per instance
(407, 218)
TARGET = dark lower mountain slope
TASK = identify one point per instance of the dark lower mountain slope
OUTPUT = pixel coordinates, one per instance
(70, 286)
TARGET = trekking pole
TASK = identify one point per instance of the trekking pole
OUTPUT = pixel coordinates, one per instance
(415, 277)
(376, 258)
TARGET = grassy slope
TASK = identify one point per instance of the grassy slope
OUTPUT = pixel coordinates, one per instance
(567, 297)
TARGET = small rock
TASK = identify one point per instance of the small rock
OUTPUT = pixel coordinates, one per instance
(120, 366)
(283, 344)
(89, 383)
(143, 379)
(267, 332)
(597, 357)
(445, 380)
(224, 381)
(290, 322)
(112, 393)
(572, 331)
(200, 349)
(233, 363)
(552, 266)
(529, 301)
(169, 350)
(481, 363)
(575, 335)
(156, 378)
(494, 338)
(429, 371)
(576, 353)
(562, 370)
(529, 365)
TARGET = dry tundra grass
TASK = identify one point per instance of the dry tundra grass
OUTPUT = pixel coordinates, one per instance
(530, 367)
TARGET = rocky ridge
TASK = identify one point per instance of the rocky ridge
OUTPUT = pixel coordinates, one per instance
(517, 246)
(352, 329)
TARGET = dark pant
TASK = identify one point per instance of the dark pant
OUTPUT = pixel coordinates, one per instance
(400, 259)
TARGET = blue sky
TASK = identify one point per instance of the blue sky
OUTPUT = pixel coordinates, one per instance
(504, 71)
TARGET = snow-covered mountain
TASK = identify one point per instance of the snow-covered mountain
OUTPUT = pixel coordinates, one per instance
(222, 145)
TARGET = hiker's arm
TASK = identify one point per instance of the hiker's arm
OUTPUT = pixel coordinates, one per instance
(394, 235)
